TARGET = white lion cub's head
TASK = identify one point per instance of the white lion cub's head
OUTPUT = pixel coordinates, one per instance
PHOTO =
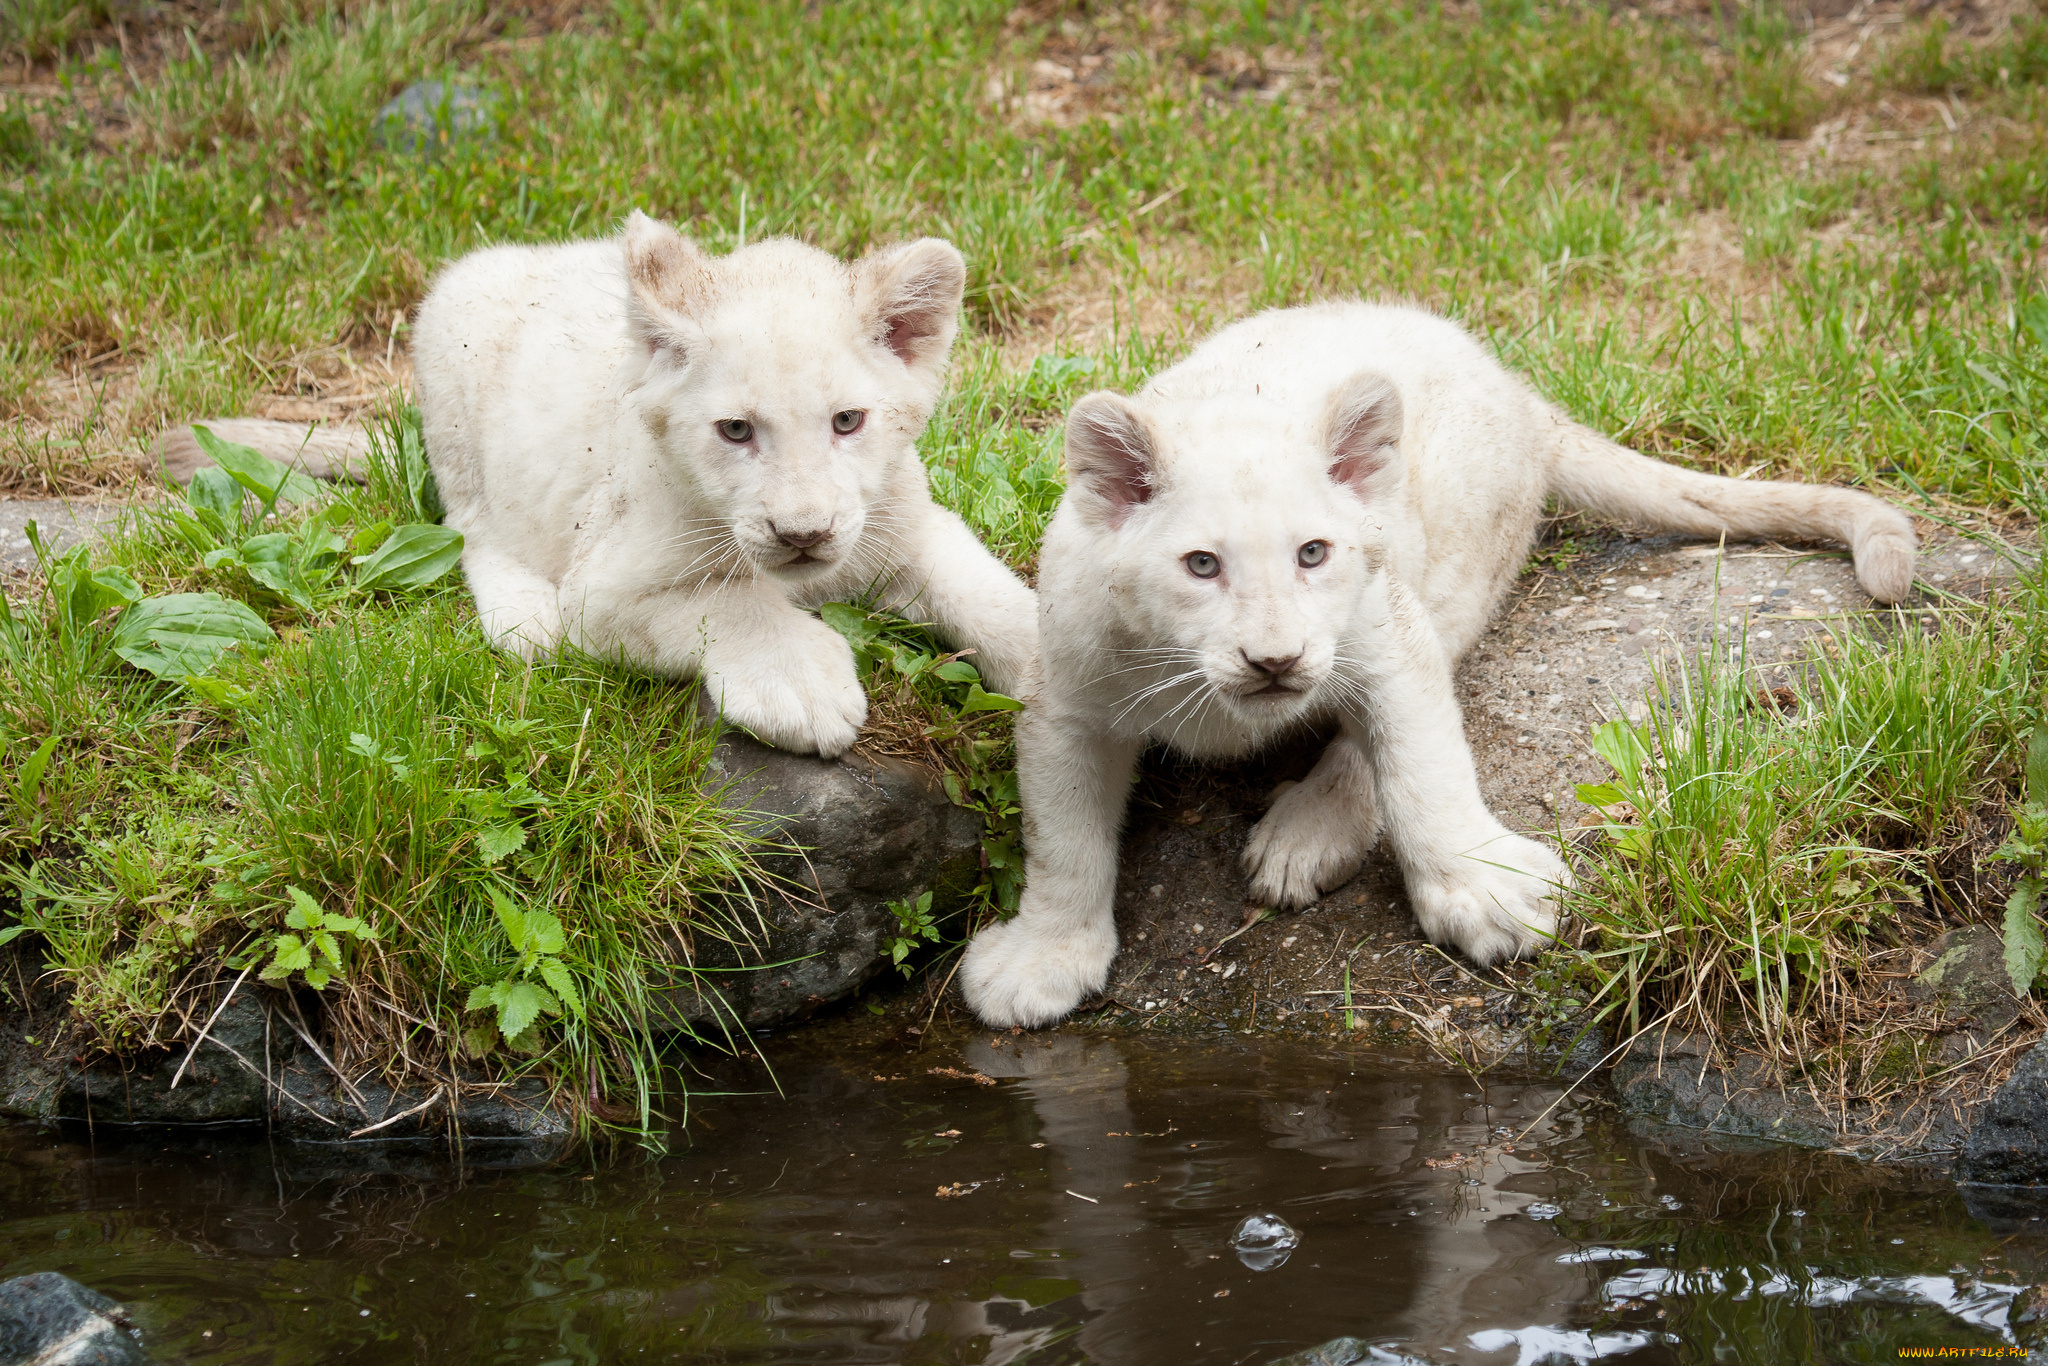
(1235, 534)
(787, 387)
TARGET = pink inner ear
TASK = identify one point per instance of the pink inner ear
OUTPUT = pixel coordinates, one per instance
(1354, 471)
(902, 338)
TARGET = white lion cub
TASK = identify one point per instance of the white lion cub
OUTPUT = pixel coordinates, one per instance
(667, 457)
(1307, 522)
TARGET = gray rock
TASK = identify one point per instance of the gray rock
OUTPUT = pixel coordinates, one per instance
(51, 1320)
(1675, 1079)
(62, 523)
(428, 115)
(872, 832)
(1967, 977)
(2009, 1144)
(224, 1083)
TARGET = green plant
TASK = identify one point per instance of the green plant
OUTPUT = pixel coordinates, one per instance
(2027, 846)
(319, 951)
(520, 1002)
(939, 699)
(914, 928)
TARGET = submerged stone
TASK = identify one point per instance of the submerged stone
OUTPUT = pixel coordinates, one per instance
(49, 1319)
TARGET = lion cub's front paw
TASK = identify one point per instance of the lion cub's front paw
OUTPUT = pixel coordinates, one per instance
(804, 695)
(1019, 974)
(1311, 840)
(1496, 900)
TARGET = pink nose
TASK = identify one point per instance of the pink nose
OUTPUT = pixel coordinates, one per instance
(1275, 667)
(801, 540)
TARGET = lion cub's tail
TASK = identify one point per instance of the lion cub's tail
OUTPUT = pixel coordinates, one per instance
(331, 451)
(1596, 474)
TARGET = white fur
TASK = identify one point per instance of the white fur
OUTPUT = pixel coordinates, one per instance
(1398, 441)
(572, 396)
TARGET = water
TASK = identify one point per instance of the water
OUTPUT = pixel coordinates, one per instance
(1091, 1191)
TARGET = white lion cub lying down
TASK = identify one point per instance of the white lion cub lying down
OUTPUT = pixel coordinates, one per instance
(668, 457)
(1308, 521)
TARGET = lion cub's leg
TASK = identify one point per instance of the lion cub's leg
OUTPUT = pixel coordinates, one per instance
(1471, 880)
(767, 665)
(1318, 831)
(1036, 967)
(516, 607)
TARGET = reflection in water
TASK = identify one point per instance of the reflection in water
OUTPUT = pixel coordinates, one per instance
(1049, 1199)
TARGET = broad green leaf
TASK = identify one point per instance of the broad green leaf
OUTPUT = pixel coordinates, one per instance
(349, 925)
(29, 781)
(318, 977)
(2024, 949)
(216, 491)
(411, 557)
(479, 1039)
(480, 997)
(494, 842)
(979, 700)
(305, 913)
(185, 633)
(543, 933)
(958, 671)
(1600, 794)
(272, 560)
(557, 975)
(1624, 748)
(257, 472)
(8, 935)
(292, 956)
(511, 918)
(323, 944)
(518, 1006)
(859, 629)
(369, 537)
(2037, 765)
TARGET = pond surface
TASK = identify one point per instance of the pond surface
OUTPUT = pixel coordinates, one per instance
(1048, 1199)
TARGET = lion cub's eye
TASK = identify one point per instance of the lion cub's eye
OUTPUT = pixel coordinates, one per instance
(1312, 554)
(737, 430)
(848, 422)
(1202, 564)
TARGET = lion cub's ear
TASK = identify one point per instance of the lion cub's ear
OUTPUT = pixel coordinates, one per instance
(1362, 433)
(669, 279)
(1112, 459)
(909, 296)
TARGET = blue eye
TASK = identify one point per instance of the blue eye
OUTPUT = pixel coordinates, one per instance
(1203, 565)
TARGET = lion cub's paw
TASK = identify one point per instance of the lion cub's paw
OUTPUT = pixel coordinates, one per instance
(1311, 840)
(1017, 974)
(805, 697)
(1497, 900)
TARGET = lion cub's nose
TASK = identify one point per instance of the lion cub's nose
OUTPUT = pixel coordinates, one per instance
(801, 540)
(1275, 667)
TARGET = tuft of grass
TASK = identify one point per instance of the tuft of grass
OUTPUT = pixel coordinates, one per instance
(1760, 843)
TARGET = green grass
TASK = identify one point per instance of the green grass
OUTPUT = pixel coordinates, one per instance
(200, 222)
(382, 764)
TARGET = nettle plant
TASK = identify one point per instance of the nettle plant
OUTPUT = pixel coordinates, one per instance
(968, 726)
(316, 944)
(518, 1001)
